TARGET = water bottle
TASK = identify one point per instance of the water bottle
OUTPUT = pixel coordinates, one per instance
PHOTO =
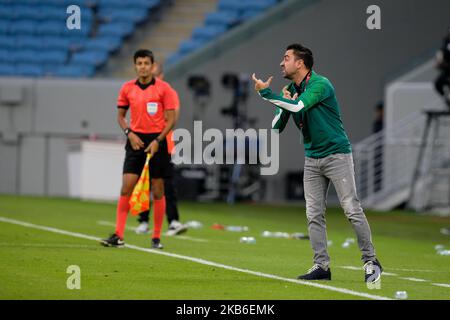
(350, 240)
(346, 245)
(281, 234)
(439, 247)
(250, 240)
(236, 228)
(444, 252)
(194, 224)
(267, 234)
(401, 295)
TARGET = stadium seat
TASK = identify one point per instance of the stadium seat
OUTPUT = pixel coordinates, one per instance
(51, 28)
(56, 43)
(29, 42)
(72, 71)
(53, 56)
(22, 27)
(230, 5)
(126, 15)
(4, 27)
(6, 56)
(207, 33)
(7, 69)
(141, 4)
(26, 12)
(188, 46)
(8, 42)
(225, 18)
(28, 69)
(121, 29)
(108, 43)
(27, 56)
(92, 58)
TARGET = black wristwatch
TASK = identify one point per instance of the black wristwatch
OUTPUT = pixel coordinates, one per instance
(126, 131)
(157, 140)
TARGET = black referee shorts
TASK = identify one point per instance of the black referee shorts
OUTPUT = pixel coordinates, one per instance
(160, 165)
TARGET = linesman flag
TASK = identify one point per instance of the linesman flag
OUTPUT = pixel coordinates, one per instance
(140, 198)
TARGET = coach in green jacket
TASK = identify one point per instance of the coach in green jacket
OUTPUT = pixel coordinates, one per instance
(311, 101)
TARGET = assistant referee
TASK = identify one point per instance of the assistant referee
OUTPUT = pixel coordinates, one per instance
(151, 102)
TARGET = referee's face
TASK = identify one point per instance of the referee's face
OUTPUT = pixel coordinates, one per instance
(143, 67)
(289, 65)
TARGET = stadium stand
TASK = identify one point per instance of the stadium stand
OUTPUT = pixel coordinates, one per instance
(228, 14)
(35, 40)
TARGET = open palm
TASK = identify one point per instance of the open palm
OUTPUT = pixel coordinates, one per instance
(259, 84)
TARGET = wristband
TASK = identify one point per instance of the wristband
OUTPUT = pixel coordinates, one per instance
(126, 131)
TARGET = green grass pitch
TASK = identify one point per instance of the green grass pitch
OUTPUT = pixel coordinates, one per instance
(33, 262)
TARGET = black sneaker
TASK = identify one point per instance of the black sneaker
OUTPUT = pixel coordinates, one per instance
(372, 271)
(156, 243)
(316, 273)
(113, 241)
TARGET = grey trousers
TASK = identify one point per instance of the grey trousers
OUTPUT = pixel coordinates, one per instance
(339, 169)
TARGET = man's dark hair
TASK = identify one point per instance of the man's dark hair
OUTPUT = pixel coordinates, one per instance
(142, 53)
(301, 52)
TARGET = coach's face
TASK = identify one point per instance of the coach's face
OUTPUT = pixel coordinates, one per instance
(143, 67)
(290, 65)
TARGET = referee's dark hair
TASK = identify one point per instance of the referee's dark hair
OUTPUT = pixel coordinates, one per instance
(303, 53)
(142, 53)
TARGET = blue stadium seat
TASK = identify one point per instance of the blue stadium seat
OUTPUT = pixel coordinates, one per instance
(188, 46)
(119, 14)
(208, 33)
(7, 42)
(51, 28)
(4, 27)
(73, 71)
(92, 58)
(26, 12)
(29, 42)
(7, 69)
(108, 43)
(6, 12)
(55, 43)
(27, 56)
(53, 56)
(6, 56)
(259, 4)
(24, 27)
(225, 18)
(28, 69)
(231, 5)
(65, 3)
(141, 4)
(121, 29)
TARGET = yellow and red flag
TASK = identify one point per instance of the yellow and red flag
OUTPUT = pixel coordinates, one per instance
(140, 198)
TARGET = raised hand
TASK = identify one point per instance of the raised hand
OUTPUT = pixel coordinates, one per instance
(259, 84)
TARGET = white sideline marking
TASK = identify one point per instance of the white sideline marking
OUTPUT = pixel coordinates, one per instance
(414, 279)
(44, 245)
(200, 261)
(441, 285)
(110, 224)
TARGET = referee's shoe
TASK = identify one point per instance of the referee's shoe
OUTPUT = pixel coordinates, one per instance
(113, 241)
(316, 273)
